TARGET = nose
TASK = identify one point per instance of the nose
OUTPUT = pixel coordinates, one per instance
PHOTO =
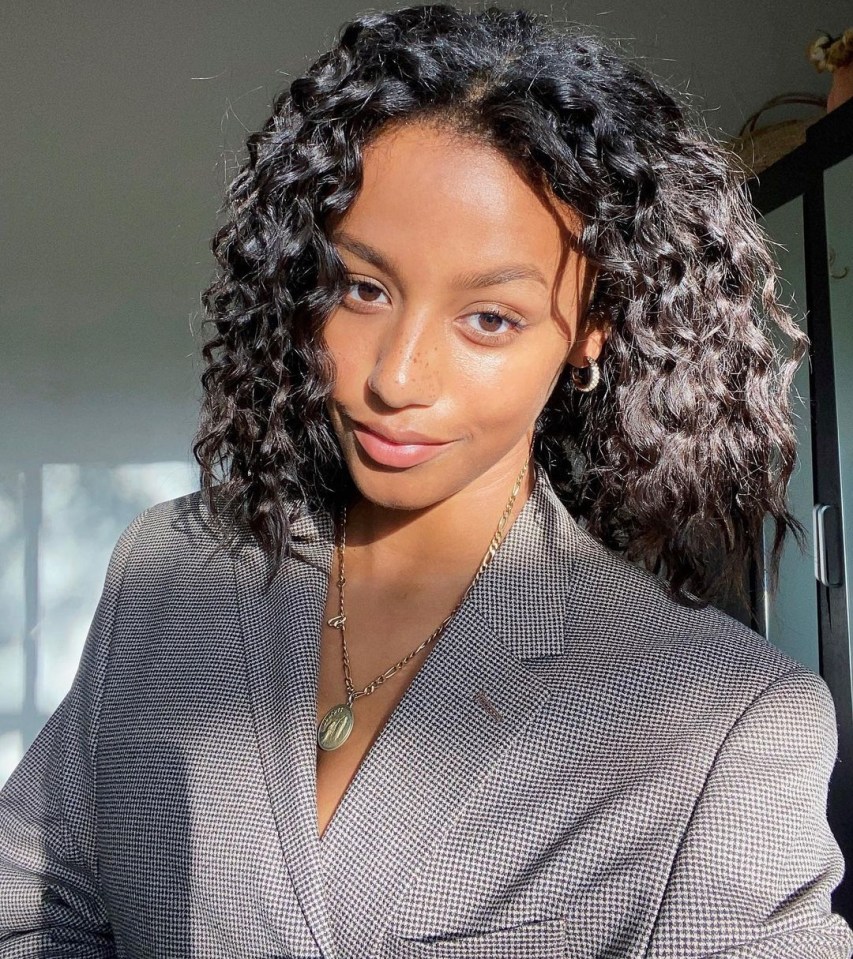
(407, 368)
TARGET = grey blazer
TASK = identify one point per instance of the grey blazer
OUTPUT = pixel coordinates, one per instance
(580, 768)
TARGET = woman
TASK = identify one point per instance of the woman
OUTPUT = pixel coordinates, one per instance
(432, 669)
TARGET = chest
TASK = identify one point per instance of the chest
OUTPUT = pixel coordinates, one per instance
(380, 634)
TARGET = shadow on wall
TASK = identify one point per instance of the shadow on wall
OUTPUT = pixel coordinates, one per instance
(58, 526)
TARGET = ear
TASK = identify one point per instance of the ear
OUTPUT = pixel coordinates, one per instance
(592, 335)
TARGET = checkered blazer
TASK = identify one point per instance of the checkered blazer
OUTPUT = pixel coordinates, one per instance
(580, 768)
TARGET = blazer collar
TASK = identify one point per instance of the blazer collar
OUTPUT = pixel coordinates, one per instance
(524, 592)
(470, 698)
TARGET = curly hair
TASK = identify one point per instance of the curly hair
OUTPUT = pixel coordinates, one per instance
(688, 443)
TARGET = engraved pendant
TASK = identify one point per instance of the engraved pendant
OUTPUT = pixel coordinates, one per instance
(335, 728)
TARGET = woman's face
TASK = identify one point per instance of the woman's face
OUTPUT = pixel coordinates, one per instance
(461, 311)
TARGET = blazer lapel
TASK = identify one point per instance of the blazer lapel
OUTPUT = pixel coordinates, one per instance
(281, 637)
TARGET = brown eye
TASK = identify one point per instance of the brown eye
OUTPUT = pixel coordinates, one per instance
(493, 326)
(362, 291)
(490, 322)
(367, 291)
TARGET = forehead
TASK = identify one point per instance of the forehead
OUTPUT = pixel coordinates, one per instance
(424, 187)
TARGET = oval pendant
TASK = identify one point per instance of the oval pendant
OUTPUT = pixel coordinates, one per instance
(335, 728)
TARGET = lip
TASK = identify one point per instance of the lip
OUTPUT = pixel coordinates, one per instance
(385, 451)
(399, 437)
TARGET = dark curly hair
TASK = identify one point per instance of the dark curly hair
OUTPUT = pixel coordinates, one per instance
(687, 444)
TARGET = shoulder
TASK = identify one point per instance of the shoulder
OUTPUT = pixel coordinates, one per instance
(184, 517)
(601, 627)
(686, 660)
(178, 523)
(177, 545)
(169, 544)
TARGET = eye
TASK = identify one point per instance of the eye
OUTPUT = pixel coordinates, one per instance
(366, 293)
(492, 326)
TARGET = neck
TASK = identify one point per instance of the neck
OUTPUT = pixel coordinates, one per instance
(446, 540)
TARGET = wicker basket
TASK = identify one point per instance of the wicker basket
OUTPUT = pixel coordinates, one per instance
(762, 147)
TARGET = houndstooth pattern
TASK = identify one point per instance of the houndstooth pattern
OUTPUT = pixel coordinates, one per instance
(580, 768)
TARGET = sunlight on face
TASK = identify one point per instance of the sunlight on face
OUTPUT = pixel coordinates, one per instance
(463, 308)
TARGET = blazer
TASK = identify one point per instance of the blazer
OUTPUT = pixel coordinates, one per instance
(579, 768)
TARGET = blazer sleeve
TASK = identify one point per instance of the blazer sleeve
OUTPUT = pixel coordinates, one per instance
(754, 871)
(50, 899)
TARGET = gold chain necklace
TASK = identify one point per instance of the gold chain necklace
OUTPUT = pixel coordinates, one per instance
(336, 726)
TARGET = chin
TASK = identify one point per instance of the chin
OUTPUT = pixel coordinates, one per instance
(394, 489)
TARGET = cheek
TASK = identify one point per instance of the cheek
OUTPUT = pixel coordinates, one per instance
(350, 356)
(518, 376)
(504, 393)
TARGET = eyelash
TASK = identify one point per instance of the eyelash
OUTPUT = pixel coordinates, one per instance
(480, 335)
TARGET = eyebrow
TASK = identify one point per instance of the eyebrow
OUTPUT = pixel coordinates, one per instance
(469, 280)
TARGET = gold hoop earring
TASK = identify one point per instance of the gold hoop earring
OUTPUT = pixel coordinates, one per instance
(594, 376)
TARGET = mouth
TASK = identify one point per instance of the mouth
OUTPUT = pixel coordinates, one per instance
(386, 452)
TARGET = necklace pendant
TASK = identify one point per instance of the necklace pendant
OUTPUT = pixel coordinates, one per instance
(335, 728)
(337, 621)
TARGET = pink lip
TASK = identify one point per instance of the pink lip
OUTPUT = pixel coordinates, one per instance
(387, 453)
(399, 437)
